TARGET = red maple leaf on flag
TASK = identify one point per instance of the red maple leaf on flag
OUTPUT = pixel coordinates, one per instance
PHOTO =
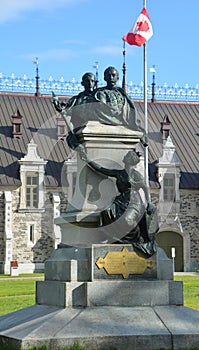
(143, 26)
(141, 30)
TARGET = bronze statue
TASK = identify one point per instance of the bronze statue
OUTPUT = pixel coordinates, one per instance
(108, 105)
(115, 106)
(88, 81)
(76, 110)
(111, 105)
(128, 205)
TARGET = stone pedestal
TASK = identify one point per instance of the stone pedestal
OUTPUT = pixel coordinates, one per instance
(78, 305)
(106, 145)
(73, 279)
(71, 273)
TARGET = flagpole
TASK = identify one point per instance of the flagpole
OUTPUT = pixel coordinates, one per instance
(146, 175)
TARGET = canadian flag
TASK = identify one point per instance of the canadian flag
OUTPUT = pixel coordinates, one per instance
(141, 31)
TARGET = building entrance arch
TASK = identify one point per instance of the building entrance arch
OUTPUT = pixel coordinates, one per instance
(167, 240)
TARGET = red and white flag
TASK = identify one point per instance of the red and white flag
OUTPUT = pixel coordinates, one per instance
(141, 31)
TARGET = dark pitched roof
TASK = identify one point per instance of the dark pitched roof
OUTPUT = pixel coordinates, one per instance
(39, 124)
(183, 117)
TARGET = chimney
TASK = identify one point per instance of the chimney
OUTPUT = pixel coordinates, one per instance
(165, 128)
(16, 125)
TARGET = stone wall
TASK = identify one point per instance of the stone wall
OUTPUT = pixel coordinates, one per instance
(63, 202)
(189, 217)
(2, 241)
(187, 224)
(38, 250)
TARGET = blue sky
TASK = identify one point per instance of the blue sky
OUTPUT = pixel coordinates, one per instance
(69, 36)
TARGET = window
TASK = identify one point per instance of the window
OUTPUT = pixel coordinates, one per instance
(62, 130)
(31, 233)
(17, 128)
(169, 187)
(166, 134)
(32, 190)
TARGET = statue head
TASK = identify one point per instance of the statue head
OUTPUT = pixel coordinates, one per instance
(131, 158)
(88, 81)
(111, 76)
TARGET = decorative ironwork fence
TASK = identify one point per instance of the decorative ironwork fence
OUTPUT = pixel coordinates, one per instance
(62, 87)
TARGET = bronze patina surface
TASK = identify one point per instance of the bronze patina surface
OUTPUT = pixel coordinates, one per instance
(124, 263)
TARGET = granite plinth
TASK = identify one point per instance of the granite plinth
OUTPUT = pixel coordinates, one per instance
(69, 264)
(109, 293)
(79, 264)
(72, 279)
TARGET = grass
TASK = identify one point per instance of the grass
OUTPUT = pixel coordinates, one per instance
(191, 290)
(16, 294)
(17, 287)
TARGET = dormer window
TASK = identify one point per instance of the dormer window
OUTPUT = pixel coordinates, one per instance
(17, 128)
(169, 178)
(165, 128)
(61, 128)
(16, 125)
(32, 190)
(32, 180)
(169, 187)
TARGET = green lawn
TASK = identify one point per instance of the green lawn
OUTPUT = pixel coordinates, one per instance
(17, 294)
(191, 290)
(17, 287)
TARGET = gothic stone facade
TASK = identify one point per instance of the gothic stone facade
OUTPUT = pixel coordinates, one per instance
(37, 179)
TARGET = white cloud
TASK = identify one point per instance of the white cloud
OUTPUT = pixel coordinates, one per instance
(14, 9)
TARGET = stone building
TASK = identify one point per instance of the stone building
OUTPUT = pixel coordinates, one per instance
(38, 172)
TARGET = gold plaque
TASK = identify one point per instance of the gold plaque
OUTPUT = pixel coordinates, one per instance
(124, 263)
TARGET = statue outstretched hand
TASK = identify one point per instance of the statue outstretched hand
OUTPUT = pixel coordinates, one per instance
(56, 102)
(59, 106)
(150, 208)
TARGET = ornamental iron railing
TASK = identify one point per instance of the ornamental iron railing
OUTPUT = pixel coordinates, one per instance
(62, 87)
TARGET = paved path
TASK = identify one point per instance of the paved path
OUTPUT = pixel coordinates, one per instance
(39, 278)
